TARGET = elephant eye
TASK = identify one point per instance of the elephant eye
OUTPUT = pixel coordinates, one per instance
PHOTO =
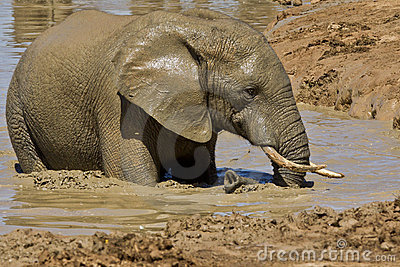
(251, 92)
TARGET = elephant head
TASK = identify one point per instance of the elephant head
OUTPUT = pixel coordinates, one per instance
(202, 71)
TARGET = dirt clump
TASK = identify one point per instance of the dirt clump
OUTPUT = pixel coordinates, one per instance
(366, 232)
(181, 186)
(289, 2)
(171, 184)
(343, 54)
(246, 188)
(396, 121)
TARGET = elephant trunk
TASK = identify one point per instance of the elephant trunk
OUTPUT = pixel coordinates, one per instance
(290, 160)
(295, 150)
(291, 169)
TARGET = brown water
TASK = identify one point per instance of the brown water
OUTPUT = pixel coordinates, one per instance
(366, 151)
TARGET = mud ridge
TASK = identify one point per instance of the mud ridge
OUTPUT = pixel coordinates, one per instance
(69, 179)
(220, 240)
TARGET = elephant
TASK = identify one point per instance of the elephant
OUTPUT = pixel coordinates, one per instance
(141, 96)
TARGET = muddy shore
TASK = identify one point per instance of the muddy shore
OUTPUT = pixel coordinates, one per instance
(367, 235)
(343, 54)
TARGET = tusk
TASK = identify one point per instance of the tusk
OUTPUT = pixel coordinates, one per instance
(328, 173)
(282, 162)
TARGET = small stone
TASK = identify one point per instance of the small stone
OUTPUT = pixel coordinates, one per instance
(284, 2)
(387, 246)
(156, 255)
(348, 223)
(396, 122)
(297, 2)
(334, 26)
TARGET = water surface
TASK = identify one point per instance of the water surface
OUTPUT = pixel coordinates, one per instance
(366, 151)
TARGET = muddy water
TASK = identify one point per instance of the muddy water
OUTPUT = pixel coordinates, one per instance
(366, 151)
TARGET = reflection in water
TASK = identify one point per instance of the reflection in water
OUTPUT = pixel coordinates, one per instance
(32, 17)
(255, 12)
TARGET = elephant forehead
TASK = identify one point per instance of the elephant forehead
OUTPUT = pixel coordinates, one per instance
(248, 65)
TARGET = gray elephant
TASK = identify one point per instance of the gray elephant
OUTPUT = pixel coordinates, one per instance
(137, 97)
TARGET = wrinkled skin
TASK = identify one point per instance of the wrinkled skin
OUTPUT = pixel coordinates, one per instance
(139, 96)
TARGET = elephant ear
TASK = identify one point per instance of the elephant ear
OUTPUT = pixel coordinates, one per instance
(161, 75)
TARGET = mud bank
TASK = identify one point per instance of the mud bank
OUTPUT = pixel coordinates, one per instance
(77, 180)
(344, 54)
(371, 233)
(66, 179)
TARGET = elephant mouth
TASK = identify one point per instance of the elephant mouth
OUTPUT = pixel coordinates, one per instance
(285, 163)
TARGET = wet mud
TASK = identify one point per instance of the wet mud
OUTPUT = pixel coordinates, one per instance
(77, 180)
(246, 188)
(64, 179)
(171, 184)
(224, 241)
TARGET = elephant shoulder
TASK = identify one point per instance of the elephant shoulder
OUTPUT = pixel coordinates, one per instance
(83, 28)
(76, 42)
